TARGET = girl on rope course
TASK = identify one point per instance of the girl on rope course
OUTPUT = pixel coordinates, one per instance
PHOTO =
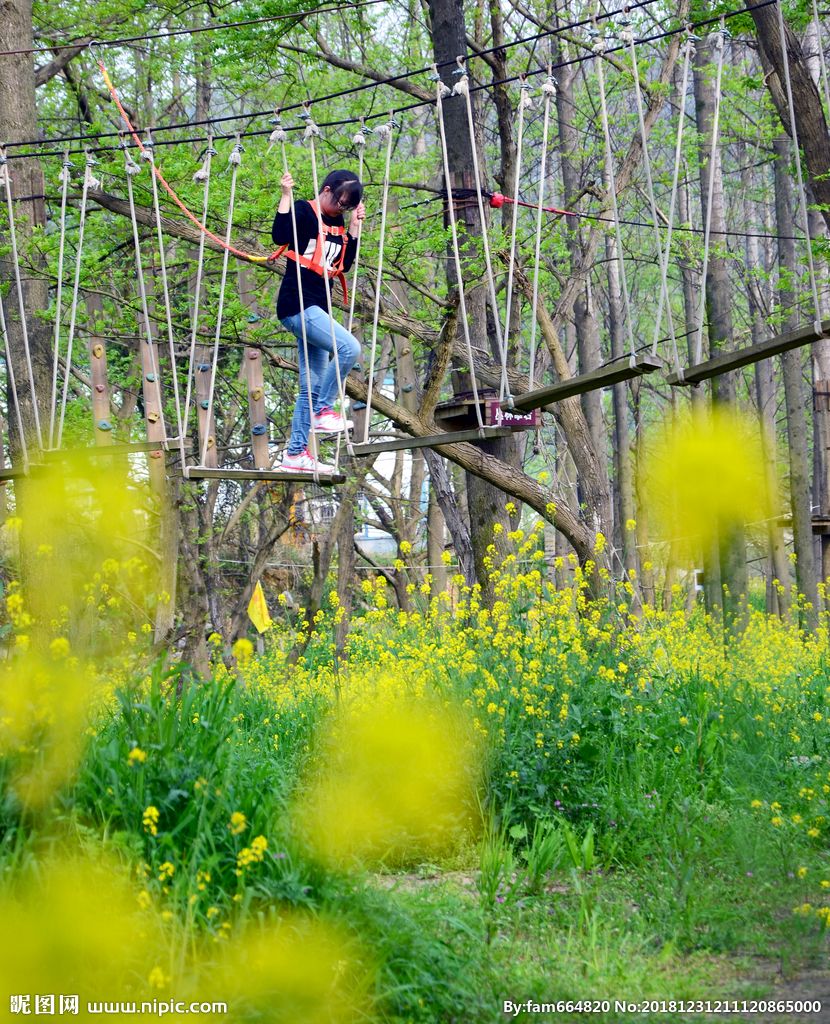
(304, 303)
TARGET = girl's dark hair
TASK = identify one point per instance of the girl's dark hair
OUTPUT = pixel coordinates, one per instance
(345, 187)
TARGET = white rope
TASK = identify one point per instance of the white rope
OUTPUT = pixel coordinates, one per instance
(311, 133)
(599, 50)
(5, 180)
(678, 151)
(384, 131)
(524, 102)
(441, 92)
(53, 400)
(12, 386)
(713, 156)
(148, 155)
(89, 182)
(203, 176)
(627, 35)
(235, 159)
(359, 141)
(802, 192)
(132, 168)
(549, 91)
(462, 88)
(279, 136)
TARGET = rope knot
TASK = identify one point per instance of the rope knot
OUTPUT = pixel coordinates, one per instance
(311, 131)
(359, 139)
(278, 136)
(235, 159)
(443, 90)
(462, 86)
(90, 181)
(525, 99)
(549, 87)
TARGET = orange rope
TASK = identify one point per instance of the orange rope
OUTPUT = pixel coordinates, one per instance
(192, 217)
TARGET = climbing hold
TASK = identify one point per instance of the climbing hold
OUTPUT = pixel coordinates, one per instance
(204, 404)
(253, 354)
(497, 200)
(98, 350)
(204, 367)
(211, 441)
(258, 429)
(104, 425)
(152, 417)
(254, 318)
(151, 378)
(100, 388)
(407, 388)
(156, 455)
(257, 394)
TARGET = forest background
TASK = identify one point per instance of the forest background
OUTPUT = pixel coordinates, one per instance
(543, 715)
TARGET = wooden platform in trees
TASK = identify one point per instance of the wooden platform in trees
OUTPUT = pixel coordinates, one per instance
(430, 440)
(727, 361)
(603, 377)
(270, 475)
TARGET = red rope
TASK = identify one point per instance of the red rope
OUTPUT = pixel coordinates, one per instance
(497, 200)
(192, 217)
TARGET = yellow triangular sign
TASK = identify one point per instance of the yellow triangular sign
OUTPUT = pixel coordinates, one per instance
(258, 609)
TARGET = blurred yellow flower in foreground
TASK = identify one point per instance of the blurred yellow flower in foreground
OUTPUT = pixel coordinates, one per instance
(705, 475)
(43, 713)
(299, 969)
(397, 783)
(74, 926)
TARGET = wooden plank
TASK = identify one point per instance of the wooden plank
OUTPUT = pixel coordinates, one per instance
(727, 361)
(151, 392)
(207, 425)
(226, 473)
(604, 377)
(57, 454)
(96, 347)
(253, 375)
(820, 524)
(430, 440)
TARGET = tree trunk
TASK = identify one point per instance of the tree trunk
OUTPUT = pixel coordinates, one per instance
(732, 546)
(805, 571)
(810, 121)
(485, 501)
(18, 122)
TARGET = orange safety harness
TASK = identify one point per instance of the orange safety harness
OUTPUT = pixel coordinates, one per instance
(316, 262)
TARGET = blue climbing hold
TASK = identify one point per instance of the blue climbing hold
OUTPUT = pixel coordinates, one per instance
(258, 429)
(104, 425)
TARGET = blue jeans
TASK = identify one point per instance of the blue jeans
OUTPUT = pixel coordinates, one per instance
(318, 326)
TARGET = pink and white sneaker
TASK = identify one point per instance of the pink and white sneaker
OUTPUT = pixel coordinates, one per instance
(327, 421)
(304, 462)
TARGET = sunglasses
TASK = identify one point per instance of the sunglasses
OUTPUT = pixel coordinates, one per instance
(342, 204)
